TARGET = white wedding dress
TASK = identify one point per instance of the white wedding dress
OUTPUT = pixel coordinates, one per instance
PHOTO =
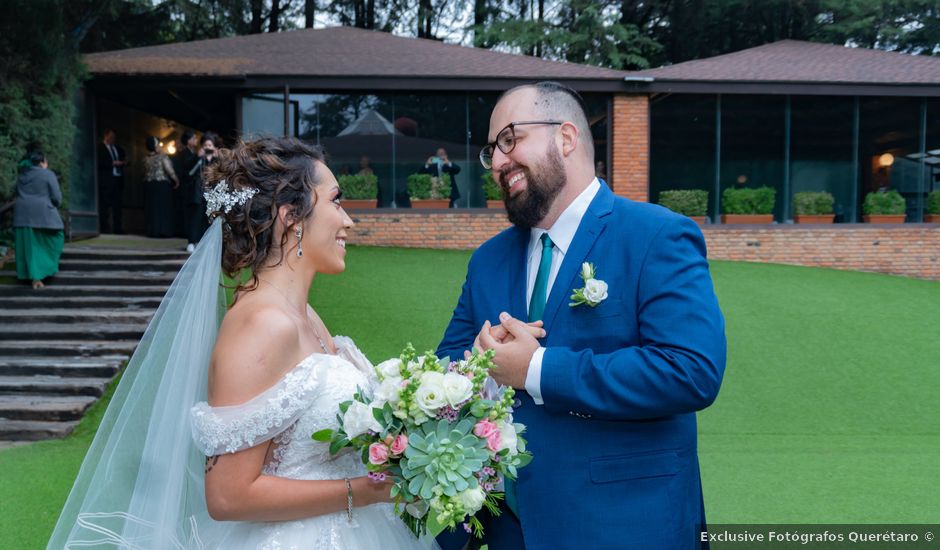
(304, 401)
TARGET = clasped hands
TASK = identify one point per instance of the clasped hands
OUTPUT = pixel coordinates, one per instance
(514, 343)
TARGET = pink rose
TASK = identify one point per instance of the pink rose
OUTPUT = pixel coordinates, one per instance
(484, 429)
(400, 444)
(493, 441)
(378, 453)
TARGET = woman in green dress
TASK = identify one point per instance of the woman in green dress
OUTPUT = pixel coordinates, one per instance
(36, 222)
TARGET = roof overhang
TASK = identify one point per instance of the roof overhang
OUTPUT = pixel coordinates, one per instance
(319, 84)
(658, 86)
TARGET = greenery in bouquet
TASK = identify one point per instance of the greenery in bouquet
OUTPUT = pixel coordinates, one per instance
(442, 431)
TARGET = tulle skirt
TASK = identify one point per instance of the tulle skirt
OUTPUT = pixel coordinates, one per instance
(372, 527)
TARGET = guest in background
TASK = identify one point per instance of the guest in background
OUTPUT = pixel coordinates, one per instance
(439, 165)
(111, 162)
(159, 181)
(364, 168)
(186, 169)
(196, 219)
(37, 224)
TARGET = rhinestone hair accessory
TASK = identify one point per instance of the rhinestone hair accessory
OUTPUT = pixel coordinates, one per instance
(222, 199)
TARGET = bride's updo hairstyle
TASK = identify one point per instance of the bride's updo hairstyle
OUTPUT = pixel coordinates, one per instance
(281, 171)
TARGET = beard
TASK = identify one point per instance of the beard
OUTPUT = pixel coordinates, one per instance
(527, 208)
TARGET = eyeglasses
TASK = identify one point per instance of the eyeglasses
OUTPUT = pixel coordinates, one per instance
(506, 141)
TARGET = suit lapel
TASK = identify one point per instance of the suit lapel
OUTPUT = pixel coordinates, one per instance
(517, 274)
(591, 227)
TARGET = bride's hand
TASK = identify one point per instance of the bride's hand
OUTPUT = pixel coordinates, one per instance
(501, 335)
(366, 491)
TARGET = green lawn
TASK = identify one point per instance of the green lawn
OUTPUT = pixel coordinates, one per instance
(828, 411)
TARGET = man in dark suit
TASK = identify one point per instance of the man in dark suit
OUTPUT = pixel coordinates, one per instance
(439, 165)
(634, 340)
(111, 162)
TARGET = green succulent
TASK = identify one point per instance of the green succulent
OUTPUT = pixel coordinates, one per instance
(442, 455)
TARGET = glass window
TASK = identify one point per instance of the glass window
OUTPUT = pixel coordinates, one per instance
(357, 132)
(752, 144)
(821, 151)
(682, 145)
(263, 115)
(932, 158)
(433, 139)
(889, 149)
(598, 108)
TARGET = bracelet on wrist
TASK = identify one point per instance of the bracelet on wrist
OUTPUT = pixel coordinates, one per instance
(349, 499)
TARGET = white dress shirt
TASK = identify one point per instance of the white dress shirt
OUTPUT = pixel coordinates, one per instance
(561, 233)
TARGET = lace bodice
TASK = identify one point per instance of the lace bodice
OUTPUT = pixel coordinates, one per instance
(303, 401)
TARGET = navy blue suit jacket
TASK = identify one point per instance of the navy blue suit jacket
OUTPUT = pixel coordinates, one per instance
(615, 460)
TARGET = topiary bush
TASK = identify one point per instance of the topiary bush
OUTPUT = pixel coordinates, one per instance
(884, 203)
(813, 203)
(357, 186)
(688, 202)
(933, 202)
(748, 200)
(425, 186)
(491, 188)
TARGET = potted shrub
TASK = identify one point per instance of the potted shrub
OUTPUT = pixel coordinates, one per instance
(748, 205)
(494, 195)
(688, 202)
(884, 207)
(933, 207)
(427, 191)
(813, 207)
(359, 191)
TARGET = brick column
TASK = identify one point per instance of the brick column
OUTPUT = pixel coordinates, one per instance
(630, 165)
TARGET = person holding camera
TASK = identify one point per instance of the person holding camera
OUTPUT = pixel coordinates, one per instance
(439, 165)
(196, 220)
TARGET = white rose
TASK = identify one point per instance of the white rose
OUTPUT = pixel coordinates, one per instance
(389, 391)
(433, 378)
(471, 499)
(389, 369)
(586, 271)
(595, 290)
(430, 395)
(358, 420)
(508, 438)
(457, 388)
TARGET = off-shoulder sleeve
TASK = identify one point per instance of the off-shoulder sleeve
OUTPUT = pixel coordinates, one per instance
(220, 430)
(347, 349)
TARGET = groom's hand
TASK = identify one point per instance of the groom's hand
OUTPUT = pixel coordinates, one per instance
(503, 336)
(512, 356)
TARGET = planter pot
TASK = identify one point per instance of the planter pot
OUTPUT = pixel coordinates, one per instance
(358, 203)
(884, 218)
(430, 203)
(762, 219)
(931, 218)
(491, 203)
(701, 220)
(813, 218)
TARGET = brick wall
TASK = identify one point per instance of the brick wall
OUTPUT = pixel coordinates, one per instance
(630, 162)
(908, 249)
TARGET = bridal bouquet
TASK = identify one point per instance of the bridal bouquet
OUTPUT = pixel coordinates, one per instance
(442, 431)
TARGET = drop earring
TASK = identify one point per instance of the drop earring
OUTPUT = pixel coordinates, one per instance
(299, 233)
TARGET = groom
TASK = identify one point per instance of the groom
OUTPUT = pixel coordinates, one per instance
(609, 395)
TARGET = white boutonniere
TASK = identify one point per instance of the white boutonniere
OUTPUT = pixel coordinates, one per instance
(594, 290)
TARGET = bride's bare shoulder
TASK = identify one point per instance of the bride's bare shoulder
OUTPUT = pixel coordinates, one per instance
(257, 345)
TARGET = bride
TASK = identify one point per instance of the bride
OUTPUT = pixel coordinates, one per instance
(207, 441)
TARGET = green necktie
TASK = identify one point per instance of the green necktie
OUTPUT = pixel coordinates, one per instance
(536, 310)
(540, 289)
